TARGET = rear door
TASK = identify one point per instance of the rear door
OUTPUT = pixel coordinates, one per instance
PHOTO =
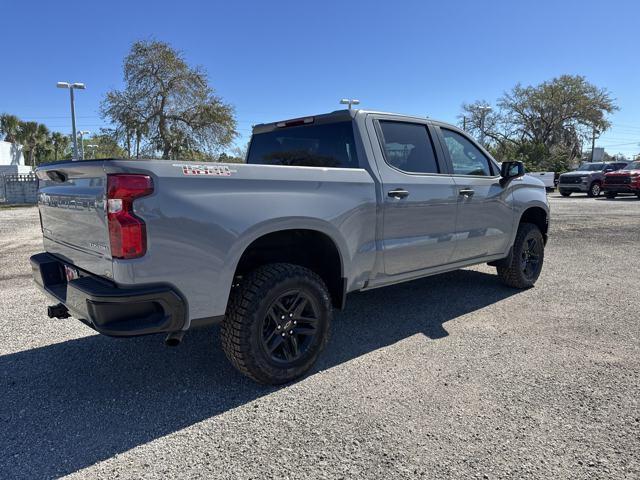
(485, 217)
(72, 203)
(419, 197)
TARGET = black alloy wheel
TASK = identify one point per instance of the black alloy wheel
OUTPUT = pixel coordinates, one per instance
(530, 258)
(289, 328)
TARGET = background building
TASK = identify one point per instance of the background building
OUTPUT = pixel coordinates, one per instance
(12, 159)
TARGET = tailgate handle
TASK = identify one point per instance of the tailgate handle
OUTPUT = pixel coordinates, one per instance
(56, 176)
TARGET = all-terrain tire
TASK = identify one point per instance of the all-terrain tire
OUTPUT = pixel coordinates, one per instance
(249, 305)
(515, 275)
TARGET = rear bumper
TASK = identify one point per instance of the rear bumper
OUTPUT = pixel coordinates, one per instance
(107, 308)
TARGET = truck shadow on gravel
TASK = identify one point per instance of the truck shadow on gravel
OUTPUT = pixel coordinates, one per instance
(72, 404)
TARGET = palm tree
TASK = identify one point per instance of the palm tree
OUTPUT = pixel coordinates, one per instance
(33, 135)
(45, 145)
(60, 143)
(9, 126)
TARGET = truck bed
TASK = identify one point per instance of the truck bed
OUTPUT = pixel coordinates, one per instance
(200, 218)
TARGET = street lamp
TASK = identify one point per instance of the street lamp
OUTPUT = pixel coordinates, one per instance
(349, 101)
(93, 150)
(81, 133)
(484, 109)
(72, 87)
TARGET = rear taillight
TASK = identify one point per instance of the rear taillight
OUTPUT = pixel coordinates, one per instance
(127, 233)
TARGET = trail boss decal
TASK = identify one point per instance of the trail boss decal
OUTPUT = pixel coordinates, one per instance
(215, 170)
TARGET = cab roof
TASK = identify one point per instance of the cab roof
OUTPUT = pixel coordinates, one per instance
(336, 116)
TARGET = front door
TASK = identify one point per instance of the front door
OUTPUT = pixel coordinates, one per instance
(420, 201)
(485, 218)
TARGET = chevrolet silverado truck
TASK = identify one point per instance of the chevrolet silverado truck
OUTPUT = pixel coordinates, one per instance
(626, 180)
(325, 205)
(587, 178)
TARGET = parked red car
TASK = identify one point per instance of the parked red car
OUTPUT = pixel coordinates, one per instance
(626, 180)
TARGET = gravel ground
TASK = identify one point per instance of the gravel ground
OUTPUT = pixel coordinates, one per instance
(453, 376)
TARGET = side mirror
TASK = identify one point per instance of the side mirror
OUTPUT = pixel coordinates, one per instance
(510, 170)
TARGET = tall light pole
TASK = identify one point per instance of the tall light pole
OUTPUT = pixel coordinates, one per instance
(81, 134)
(72, 87)
(349, 101)
(484, 109)
(594, 132)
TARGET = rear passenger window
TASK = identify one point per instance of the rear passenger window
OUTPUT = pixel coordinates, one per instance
(467, 159)
(325, 145)
(408, 147)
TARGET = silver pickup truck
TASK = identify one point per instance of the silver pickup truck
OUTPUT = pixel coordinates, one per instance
(325, 205)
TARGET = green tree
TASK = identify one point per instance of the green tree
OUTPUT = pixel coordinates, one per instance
(543, 125)
(9, 127)
(32, 135)
(60, 143)
(45, 144)
(103, 145)
(168, 104)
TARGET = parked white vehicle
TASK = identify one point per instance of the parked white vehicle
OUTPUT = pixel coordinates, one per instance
(548, 178)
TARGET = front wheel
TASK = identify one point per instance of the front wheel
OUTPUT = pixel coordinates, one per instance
(610, 194)
(277, 323)
(564, 193)
(594, 190)
(526, 260)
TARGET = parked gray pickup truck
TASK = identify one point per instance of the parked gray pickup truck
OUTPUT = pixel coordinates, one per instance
(587, 178)
(325, 205)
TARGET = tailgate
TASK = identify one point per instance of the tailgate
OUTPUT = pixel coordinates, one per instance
(71, 199)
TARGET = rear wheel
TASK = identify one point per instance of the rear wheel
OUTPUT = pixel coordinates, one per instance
(526, 261)
(594, 189)
(277, 323)
(564, 193)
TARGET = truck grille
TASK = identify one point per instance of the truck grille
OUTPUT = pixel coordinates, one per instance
(617, 179)
(571, 179)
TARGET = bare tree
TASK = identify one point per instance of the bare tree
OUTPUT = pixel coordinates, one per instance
(546, 124)
(168, 104)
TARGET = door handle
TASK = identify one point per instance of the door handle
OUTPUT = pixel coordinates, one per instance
(398, 193)
(467, 192)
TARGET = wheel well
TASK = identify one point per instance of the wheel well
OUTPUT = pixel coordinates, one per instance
(537, 216)
(308, 248)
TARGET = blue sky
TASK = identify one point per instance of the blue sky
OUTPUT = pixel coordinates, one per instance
(281, 59)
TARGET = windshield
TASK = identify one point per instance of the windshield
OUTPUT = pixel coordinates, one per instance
(633, 166)
(590, 167)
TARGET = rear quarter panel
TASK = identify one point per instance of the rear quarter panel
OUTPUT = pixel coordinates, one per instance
(198, 226)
